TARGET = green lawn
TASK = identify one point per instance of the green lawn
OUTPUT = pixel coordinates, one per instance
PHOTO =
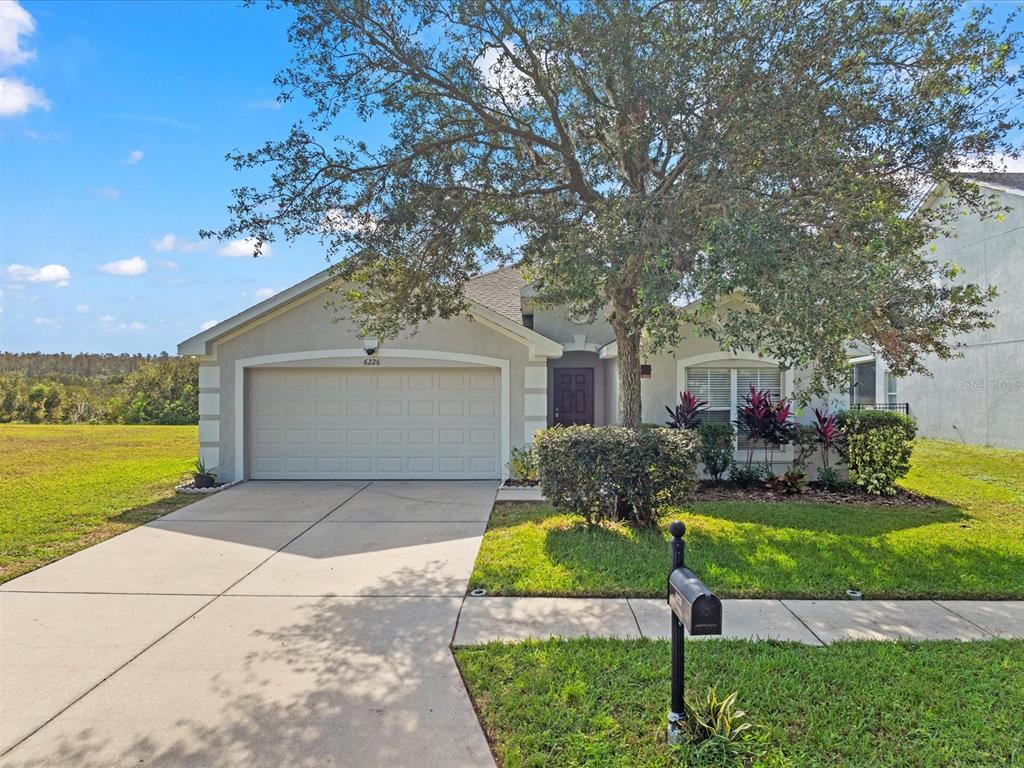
(598, 703)
(66, 487)
(970, 544)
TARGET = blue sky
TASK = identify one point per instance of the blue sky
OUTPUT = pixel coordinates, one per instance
(119, 160)
(114, 122)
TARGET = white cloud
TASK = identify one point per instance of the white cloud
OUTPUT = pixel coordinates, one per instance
(501, 75)
(243, 248)
(109, 324)
(51, 273)
(171, 242)
(132, 267)
(999, 163)
(207, 325)
(135, 156)
(18, 97)
(111, 193)
(337, 220)
(262, 294)
(49, 322)
(163, 244)
(168, 264)
(82, 309)
(15, 21)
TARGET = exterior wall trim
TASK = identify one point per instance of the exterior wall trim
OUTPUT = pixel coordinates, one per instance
(318, 354)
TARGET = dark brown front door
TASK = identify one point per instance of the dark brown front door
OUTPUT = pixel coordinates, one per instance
(574, 396)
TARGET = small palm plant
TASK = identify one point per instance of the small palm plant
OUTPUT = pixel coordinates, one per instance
(201, 476)
(719, 725)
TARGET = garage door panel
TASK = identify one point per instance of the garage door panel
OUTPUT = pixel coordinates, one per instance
(336, 424)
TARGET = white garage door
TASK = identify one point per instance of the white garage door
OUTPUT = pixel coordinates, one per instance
(336, 423)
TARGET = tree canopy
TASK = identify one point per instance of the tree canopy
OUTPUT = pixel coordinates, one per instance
(643, 159)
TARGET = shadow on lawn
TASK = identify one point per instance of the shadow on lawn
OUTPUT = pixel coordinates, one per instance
(155, 509)
(840, 519)
(808, 553)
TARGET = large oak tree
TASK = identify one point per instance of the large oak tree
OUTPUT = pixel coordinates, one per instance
(642, 159)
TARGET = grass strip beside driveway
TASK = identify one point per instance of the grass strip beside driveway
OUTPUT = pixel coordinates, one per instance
(602, 703)
(969, 545)
(66, 487)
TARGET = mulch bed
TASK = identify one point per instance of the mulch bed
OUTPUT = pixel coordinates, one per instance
(725, 491)
(510, 483)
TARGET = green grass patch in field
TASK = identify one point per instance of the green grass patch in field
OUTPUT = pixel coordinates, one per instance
(970, 544)
(602, 703)
(65, 487)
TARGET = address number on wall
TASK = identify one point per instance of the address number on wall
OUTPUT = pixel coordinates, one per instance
(371, 361)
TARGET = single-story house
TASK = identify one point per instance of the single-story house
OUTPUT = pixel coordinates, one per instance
(979, 397)
(287, 391)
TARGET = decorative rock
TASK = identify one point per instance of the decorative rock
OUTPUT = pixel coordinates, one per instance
(191, 489)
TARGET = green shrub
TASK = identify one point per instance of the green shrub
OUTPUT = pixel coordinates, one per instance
(716, 447)
(523, 464)
(749, 474)
(876, 445)
(615, 472)
(805, 442)
(828, 478)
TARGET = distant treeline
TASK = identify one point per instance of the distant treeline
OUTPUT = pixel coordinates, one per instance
(86, 388)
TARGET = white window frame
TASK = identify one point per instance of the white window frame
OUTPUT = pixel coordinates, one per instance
(733, 362)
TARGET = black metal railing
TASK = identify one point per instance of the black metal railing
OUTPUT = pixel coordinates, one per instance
(903, 408)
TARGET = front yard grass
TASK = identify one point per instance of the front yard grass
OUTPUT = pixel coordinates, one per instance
(970, 544)
(66, 487)
(601, 703)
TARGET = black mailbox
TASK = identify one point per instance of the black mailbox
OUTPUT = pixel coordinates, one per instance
(693, 604)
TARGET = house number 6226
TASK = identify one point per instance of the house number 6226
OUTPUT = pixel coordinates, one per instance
(371, 361)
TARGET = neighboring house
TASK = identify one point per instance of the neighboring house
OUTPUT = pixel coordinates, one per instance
(979, 397)
(289, 392)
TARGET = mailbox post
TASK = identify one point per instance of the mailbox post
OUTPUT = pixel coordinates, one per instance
(695, 610)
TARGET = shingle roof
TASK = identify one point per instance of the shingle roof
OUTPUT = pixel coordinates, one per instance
(1013, 181)
(499, 290)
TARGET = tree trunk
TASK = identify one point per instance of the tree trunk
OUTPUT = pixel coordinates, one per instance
(629, 375)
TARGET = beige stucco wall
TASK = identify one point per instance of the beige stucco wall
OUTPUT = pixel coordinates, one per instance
(309, 326)
(554, 324)
(979, 398)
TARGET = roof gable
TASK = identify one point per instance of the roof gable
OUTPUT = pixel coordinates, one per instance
(500, 290)
(490, 302)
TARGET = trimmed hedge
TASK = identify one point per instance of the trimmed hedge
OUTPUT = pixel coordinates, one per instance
(615, 472)
(877, 445)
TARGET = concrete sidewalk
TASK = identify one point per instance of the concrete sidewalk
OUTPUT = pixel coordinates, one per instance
(815, 622)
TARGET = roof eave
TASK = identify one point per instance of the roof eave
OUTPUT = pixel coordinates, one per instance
(201, 345)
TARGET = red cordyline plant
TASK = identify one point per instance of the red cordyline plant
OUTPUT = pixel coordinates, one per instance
(827, 427)
(686, 414)
(766, 421)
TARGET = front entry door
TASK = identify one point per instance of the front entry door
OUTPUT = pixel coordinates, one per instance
(574, 396)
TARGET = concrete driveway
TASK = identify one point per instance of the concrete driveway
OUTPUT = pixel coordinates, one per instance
(273, 624)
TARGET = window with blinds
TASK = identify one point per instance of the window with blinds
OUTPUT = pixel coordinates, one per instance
(725, 388)
(715, 386)
(769, 379)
